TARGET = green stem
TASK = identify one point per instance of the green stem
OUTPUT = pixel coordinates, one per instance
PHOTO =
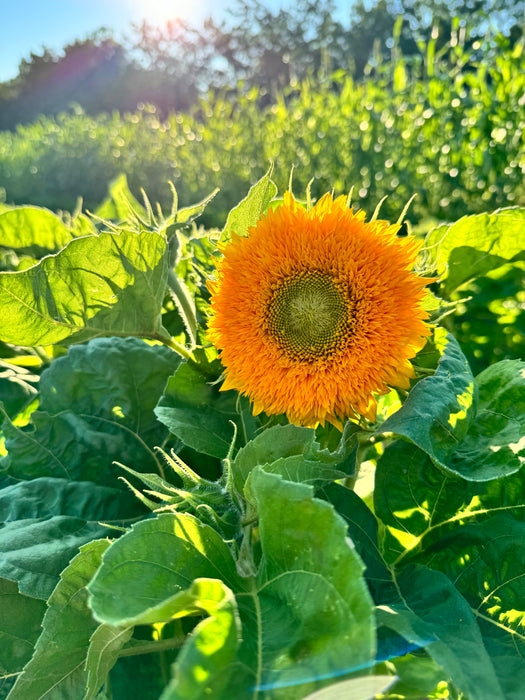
(184, 304)
(170, 343)
(153, 647)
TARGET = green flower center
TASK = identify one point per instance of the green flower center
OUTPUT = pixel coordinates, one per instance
(309, 315)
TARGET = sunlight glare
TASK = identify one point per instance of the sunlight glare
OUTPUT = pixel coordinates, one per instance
(158, 12)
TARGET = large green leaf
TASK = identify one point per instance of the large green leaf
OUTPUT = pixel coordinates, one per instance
(440, 408)
(20, 618)
(486, 561)
(96, 407)
(248, 212)
(363, 531)
(33, 231)
(468, 427)
(435, 615)
(144, 570)
(46, 520)
(494, 445)
(112, 284)
(306, 615)
(294, 452)
(212, 646)
(310, 607)
(57, 668)
(194, 410)
(471, 531)
(474, 245)
(421, 505)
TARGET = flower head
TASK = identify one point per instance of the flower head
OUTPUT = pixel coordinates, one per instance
(316, 311)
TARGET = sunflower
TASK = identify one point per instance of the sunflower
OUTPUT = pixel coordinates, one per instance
(315, 311)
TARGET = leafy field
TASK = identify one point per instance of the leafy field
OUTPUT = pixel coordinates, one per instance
(160, 541)
(450, 129)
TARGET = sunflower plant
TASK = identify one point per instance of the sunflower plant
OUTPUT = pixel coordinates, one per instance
(255, 462)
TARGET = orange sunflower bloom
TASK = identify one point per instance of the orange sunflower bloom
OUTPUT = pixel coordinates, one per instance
(316, 311)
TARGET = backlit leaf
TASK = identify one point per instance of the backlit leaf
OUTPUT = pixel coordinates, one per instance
(112, 284)
(249, 211)
(472, 246)
(33, 231)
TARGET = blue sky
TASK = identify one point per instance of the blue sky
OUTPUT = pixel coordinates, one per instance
(27, 25)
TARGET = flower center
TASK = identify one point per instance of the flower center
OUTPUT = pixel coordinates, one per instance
(308, 315)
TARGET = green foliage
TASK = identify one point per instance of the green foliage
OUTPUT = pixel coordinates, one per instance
(238, 560)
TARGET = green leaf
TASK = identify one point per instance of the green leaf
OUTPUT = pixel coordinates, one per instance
(434, 615)
(474, 245)
(104, 646)
(473, 429)
(17, 388)
(204, 665)
(120, 202)
(20, 618)
(363, 531)
(486, 562)
(312, 613)
(112, 284)
(471, 531)
(57, 667)
(144, 570)
(33, 231)
(439, 409)
(293, 452)
(96, 407)
(422, 505)
(44, 523)
(356, 688)
(494, 445)
(198, 413)
(248, 212)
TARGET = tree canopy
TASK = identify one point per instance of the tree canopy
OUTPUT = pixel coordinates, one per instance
(254, 45)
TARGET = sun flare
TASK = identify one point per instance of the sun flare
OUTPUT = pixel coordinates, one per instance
(159, 12)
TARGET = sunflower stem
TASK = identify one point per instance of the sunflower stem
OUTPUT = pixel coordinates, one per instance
(183, 301)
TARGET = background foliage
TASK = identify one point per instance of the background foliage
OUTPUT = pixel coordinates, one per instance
(444, 119)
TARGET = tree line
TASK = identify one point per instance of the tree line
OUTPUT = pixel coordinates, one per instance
(174, 65)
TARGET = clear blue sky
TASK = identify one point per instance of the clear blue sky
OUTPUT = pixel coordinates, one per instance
(27, 25)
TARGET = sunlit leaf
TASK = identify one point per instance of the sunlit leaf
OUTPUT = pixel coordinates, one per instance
(472, 246)
(249, 211)
(439, 409)
(312, 606)
(143, 571)
(33, 231)
(112, 284)
(472, 428)
(120, 202)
